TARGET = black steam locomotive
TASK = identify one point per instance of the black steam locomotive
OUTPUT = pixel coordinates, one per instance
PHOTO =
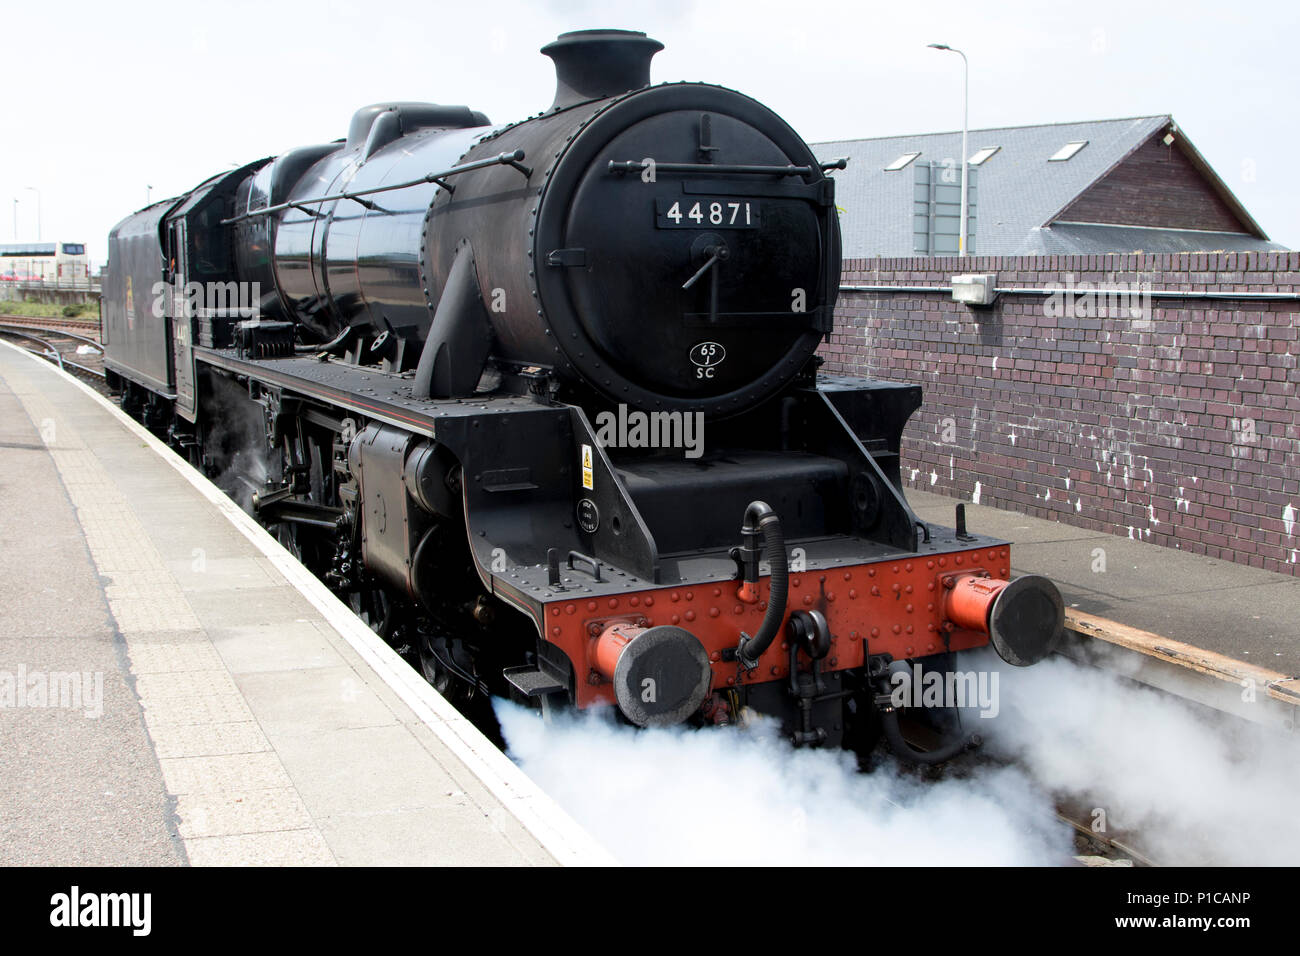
(541, 402)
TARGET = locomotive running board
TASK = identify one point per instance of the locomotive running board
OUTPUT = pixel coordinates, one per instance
(367, 392)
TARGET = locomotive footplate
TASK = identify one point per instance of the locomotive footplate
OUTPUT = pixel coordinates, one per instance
(367, 391)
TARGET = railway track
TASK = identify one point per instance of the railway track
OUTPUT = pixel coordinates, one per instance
(1094, 848)
(79, 328)
(62, 348)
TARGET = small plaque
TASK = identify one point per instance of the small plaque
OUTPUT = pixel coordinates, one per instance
(588, 516)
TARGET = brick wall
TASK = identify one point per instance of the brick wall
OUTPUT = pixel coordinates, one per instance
(1172, 421)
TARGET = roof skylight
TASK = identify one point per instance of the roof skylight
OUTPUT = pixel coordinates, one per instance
(1067, 151)
(901, 161)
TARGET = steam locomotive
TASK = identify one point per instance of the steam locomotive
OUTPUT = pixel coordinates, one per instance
(541, 402)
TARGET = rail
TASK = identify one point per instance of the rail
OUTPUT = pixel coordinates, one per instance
(49, 351)
(56, 326)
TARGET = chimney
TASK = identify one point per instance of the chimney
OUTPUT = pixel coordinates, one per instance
(593, 64)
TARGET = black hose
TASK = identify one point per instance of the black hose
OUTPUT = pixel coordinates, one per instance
(761, 519)
(337, 344)
(905, 750)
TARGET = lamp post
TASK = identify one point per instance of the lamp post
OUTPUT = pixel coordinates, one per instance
(965, 111)
(38, 210)
(15, 219)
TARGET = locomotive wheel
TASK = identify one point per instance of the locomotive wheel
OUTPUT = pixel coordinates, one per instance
(461, 693)
(308, 545)
(433, 653)
(434, 672)
(375, 610)
(288, 538)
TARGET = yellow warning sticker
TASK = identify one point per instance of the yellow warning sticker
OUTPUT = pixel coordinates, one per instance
(588, 476)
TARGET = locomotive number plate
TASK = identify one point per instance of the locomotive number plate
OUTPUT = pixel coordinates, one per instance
(706, 214)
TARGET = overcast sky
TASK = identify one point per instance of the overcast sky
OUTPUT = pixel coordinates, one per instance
(102, 99)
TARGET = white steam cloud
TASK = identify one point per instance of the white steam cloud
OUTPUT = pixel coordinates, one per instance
(676, 797)
(1191, 790)
(1196, 787)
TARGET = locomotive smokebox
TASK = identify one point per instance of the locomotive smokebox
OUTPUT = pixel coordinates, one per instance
(594, 64)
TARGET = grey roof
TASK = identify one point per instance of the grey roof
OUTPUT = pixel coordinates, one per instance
(1019, 191)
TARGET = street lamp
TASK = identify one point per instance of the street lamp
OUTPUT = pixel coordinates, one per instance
(38, 210)
(965, 109)
(15, 219)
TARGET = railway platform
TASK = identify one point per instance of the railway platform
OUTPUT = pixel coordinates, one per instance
(175, 689)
